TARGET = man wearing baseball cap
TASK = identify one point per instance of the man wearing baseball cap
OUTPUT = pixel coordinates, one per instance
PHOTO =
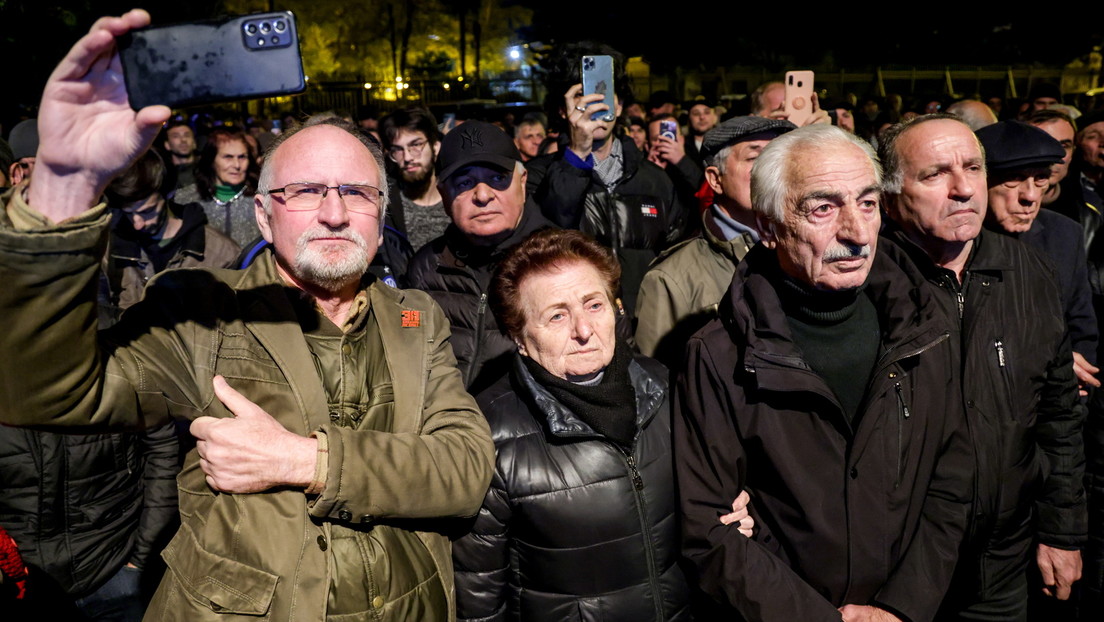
(680, 292)
(482, 181)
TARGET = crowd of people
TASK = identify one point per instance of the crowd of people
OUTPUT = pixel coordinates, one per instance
(671, 367)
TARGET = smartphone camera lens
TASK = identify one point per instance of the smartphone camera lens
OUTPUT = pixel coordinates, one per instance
(275, 40)
(250, 29)
(265, 27)
(280, 26)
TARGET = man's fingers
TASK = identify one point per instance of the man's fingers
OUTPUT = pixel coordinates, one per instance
(741, 501)
(234, 401)
(99, 41)
(201, 427)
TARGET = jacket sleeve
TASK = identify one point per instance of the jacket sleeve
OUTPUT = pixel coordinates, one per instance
(161, 463)
(915, 589)
(562, 193)
(49, 304)
(710, 465)
(1061, 511)
(657, 311)
(486, 586)
(442, 469)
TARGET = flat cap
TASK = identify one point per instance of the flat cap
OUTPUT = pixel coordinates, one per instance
(740, 129)
(24, 139)
(475, 142)
(1011, 145)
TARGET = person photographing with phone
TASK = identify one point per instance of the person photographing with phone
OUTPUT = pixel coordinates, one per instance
(601, 183)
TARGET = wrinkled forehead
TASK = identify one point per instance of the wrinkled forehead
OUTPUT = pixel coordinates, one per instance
(938, 142)
(324, 154)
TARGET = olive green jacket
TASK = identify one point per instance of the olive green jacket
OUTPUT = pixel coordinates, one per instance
(266, 556)
(681, 290)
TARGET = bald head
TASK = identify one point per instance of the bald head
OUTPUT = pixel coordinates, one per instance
(973, 113)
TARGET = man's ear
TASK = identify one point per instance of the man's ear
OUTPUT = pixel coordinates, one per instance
(16, 173)
(766, 228)
(262, 217)
(713, 178)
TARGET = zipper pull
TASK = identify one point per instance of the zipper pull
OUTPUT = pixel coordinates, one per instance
(638, 482)
(961, 304)
(482, 303)
(1000, 352)
(901, 396)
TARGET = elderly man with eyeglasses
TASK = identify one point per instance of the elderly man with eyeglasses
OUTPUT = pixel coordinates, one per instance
(334, 432)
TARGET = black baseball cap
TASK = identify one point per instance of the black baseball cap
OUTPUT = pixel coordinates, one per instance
(475, 142)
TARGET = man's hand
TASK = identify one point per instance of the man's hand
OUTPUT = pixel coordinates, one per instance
(1085, 373)
(739, 515)
(87, 131)
(578, 114)
(864, 613)
(1060, 569)
(671, 151)
(251, 451)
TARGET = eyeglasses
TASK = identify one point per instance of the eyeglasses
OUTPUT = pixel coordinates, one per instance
(306, 197)
(415, 148)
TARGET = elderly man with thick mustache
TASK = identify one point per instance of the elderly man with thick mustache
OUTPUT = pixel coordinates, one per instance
(826, 390)
(334, 432)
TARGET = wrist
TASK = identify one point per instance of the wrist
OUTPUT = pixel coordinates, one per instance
(60, 197)
(302, 462)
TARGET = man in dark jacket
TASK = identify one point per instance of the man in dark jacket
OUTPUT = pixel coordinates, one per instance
(482, 181)
(825, 389)
(601, 183)
(1018, 385)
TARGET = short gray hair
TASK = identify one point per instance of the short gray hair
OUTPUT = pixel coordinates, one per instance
(891, 157)
(718, 160)
(264, 182)
(770, 182)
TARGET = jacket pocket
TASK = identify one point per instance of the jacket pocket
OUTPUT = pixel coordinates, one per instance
(218, 583)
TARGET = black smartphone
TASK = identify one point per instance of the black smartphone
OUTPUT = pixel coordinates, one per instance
(598, 78)
(209, 61)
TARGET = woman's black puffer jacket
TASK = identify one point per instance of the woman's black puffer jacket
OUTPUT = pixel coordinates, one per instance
(574, 527)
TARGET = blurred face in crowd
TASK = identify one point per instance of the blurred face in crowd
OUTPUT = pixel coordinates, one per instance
(702, 119)
(831, 218)
(1090, 144)
(180, 141)
(569, 321)
(943, 190)
(147, 216)
(485, 202)
(232, 162)
(639, 136)
(733, 186)
(1016, 196)
(414, 154)
(1062, 132)
(774, 99)
(528, 139)
(1042, 103)
(329, 247)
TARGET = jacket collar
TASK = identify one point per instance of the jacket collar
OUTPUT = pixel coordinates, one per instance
(650, 393)
(734, 249)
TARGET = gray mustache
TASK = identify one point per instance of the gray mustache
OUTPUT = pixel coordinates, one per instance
(846, 251)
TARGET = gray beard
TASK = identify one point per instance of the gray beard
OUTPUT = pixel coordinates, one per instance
(334, 269)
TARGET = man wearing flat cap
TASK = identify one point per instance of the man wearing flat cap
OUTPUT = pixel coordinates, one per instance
(1018, 160)
(482, 181)
(679, 294)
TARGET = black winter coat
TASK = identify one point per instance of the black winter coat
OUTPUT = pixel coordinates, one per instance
(1019, 390)
(457, 275)
(82, 506)
(640, 218)
(574, 528)
(870, 515)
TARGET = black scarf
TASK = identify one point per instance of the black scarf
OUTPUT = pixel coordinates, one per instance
(608, 407)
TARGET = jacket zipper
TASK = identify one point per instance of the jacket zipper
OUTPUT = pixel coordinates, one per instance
(470, 376)
(902, 415)
(1002, 363)
(638, 486)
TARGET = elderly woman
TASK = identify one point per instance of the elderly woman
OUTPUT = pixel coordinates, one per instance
(579, 522)
(226, 179)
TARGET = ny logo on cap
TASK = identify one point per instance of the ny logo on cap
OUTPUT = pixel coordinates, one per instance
(471, 137)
